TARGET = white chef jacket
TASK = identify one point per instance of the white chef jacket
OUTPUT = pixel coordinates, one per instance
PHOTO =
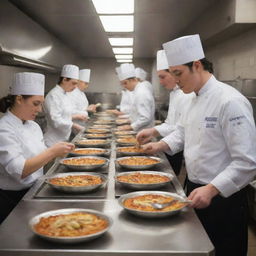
(143, 108)
(19, 142)
(219, 138)
(149, 85)
(79, 102)
(58, 111)
(126, 101)
(177, 104)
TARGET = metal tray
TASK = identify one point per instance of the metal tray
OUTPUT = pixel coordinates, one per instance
(97, 135)
(128, 153)
(97, 130)
(69, 240)
(139, 167)
(120, 133)
(85, 167)
(105, 153)
(144, 186)
(104, 143)
(148, 214)
(77, 189)
(122, 143)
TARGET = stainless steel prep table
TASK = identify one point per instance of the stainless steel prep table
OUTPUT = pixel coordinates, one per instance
(180, 235)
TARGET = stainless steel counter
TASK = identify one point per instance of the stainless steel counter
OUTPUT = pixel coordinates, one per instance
(130, 235)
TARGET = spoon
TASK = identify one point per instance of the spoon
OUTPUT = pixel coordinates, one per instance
(160, 206)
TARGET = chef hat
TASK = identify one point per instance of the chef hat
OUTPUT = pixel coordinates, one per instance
(27, 83)
(70, 71)
(127, 70)
(161, 60)
(184, 50)
(140, 73)
(84, 75)
(118, 72)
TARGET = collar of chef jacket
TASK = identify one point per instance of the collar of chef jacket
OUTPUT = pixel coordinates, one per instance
(208, 86)
(15, 119)
(60, 89)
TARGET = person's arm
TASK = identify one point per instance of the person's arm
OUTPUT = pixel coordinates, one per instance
(239, 133)
(33, 164)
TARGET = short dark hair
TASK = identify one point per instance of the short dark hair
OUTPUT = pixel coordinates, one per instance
(208, 66)
(8, 101)
(61, 79)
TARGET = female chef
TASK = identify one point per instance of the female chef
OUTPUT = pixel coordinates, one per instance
(177, 102)
(218, 135)
(58, 107)
(141, 75)
(22, 150)
(78, 98)
(142, 113)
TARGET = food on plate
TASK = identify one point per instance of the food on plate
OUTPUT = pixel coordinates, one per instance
(143, 178)
(84, 151)
(143, 203)
(84, 161)
(76, 180)
(71, 225)
(130, 150)
(138, 161)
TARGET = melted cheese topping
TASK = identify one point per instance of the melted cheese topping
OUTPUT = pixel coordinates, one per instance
(71, 225)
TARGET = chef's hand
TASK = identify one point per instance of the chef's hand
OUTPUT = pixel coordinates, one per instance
(201, 197)
(124, 128)
(77, 127)
(61, 148)
(114, 111)
(146, 135)
(81, 117)
(91, 108)
(155, 147)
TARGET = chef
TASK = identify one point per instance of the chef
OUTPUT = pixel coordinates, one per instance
(218, 135)
(22, 150)
(141, 75)
(177, 103)
(78, 98)
(125, 102)
(58, 107)
(143, 108)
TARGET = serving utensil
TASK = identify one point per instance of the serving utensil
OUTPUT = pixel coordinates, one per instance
(160, 206)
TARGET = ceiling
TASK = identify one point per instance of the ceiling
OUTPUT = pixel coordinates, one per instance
(76, 23)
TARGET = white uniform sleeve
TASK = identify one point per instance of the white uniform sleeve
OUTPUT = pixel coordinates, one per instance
(53, 107)
(240, 136)
(11, 154)
(175, 140)
(144, 109)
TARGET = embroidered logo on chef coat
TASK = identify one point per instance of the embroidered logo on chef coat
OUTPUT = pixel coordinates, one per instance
(211, 121)
(236, 120)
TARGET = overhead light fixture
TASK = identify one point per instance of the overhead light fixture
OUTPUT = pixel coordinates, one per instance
(114, 6)
(123, 56)
(122, 50)
(123, 60)
(121, 41)
(118, 23)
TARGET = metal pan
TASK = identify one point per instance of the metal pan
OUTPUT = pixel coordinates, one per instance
(97, 135)
(127, 153)
(83, 143)
(123, 133)
(139, 167)
(76, 189)
(139, 186)
(70, 240)
(122, 142)
(151, 214)
(84, 166)
(91, 152)
(97, 130)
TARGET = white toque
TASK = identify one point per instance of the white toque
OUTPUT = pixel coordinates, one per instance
(28, 83)
(184, 50)
(70, 71)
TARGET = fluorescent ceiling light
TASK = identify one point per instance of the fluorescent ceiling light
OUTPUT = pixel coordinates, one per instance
(114, 6)
(118, 23)
(121, 41)
(124, 60)
(122, 50)
(127, 56)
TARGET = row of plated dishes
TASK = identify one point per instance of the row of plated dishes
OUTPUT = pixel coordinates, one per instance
(77, 225)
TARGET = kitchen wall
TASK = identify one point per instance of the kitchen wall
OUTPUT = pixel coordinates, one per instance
(235, 57)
